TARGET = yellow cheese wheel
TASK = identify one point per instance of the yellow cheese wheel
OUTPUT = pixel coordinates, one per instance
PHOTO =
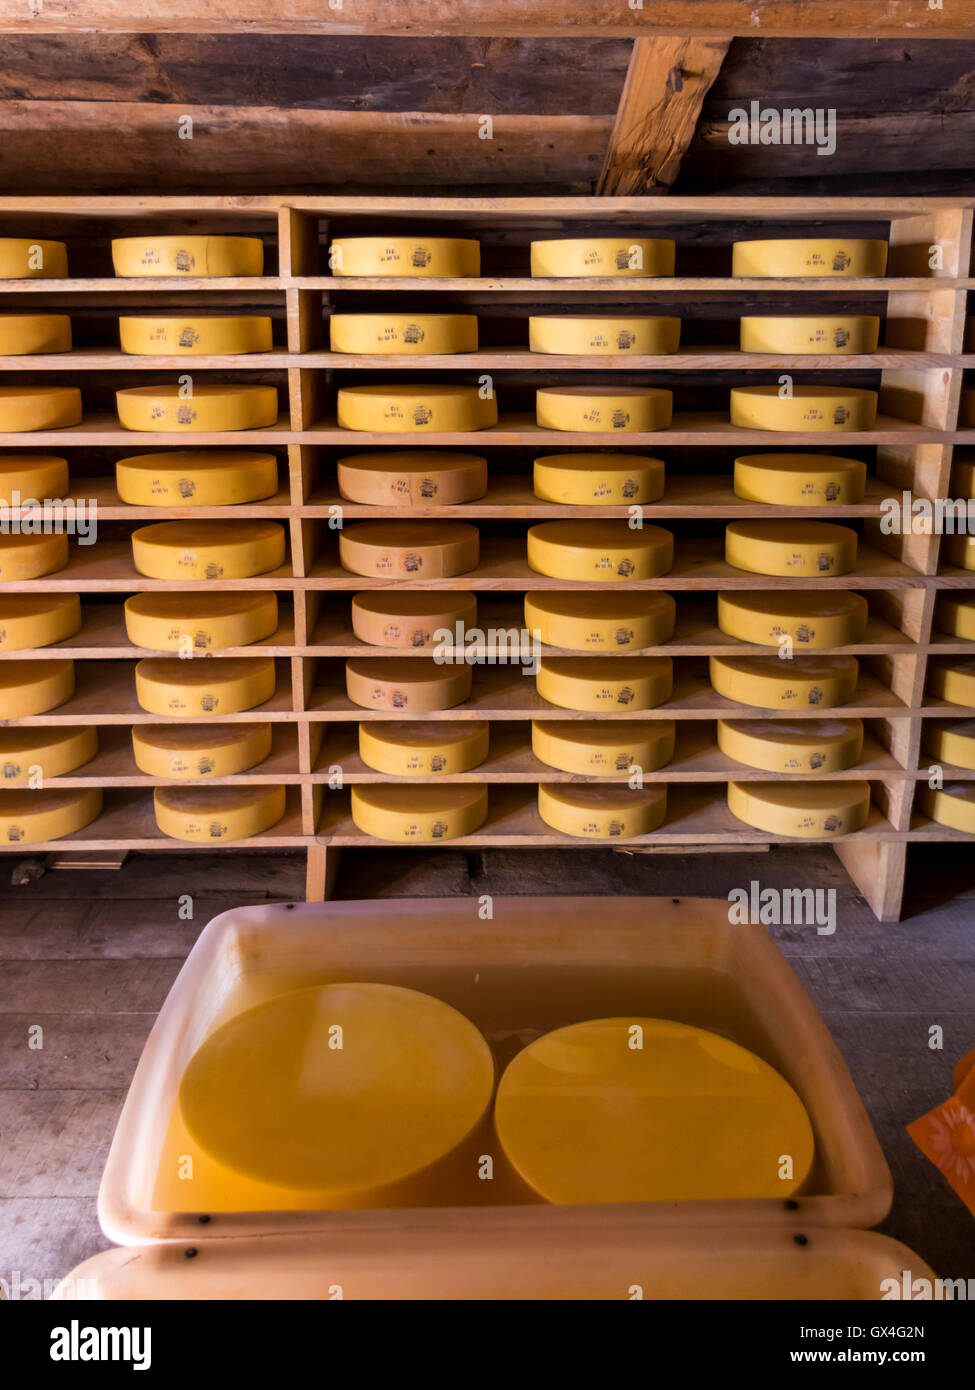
(610, 480)
(602, 811)
(590, 748)
(835, 334)
(809, 811)
(607, 336)
(22, 334)
(199, 750)
(199, 622)
(602, 684)
(953, 681)
(800, 480)
(408, 749)
(210, 815)
(955, 615)
(963, 471)
(224, 407)
(26, 477)
(809, 256)
(187, 689)
(604, 409)
(401, 618)
(27, 258)
(426, 257)
(29, 557)
(34, 687)
(37, 620)
(415, 684)
(208, 549)
(34, 817)
(603, 622)
(952, 805)
(25, 753)
(951, 741)
(187, 255)
(415, 814)
(814, 548)
(26, 408)
(960, 551)
(412, 478)
(196, 478)
(403, 333)
(811, 620)
(421, 409)
(577, 257)
(217, 334)
(607, 551)
(647, 1110)
(777, 745)
(808, 408)
(409, 549)
(768, 682)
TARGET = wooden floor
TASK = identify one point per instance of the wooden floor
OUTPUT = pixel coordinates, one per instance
(90, 957)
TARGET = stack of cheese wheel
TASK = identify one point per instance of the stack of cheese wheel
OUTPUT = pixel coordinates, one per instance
(428, 749)
(810, 548)
(611, 337)
(194, 751)
(953, 680)
(952, 805)
(33, 817)
(409, 550)
(24, 334)
(197, 478)
(208, 550)
(832, 335)
(605, 551)
(421, 409)
(768, 682)
(601, 810)
(24, 555)
(846, 408)
(801, 257)
(589, 748)
(410, 334)
(810, 811)
(190, 689)
(406, 619)
(37, 620)
(198, 623)
(602, 480)
(806, 746)
(209, 408)
(27, 258)
(415, 257)
(951, 741)
(800, 480)
(223, 335)
(604, 409)
(197, 256)
(213, 815)
(44, 753)
(412, 814)
(955, 614)
(412, 478)
(813, 621)
(415, 685)
(27, 408)
(28, 688)
(614, 257)
(600, 684)
(601, 622)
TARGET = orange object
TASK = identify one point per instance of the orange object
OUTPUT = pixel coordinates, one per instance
(946, 1134)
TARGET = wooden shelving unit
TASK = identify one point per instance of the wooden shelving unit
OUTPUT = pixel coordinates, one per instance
(918, 371)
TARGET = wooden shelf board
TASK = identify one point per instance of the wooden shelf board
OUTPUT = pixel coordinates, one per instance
(623, 287)
(161, 284)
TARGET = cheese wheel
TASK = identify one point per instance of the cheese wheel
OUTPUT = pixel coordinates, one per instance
(952, 805)
(37, 620)
(208, 549)
(835, 334)
(616, 256)
(412, 478)
(199, 750)
(808, 811)
(590, 748)
(25, 556)
(814, 548)
(607, 551)
(800, 480)
(188, 689)
(808, 408)
(26, 477)
(809, 256)
(418, 550)
(951, 741)
(776, 745)
(602, 811)
(422, 409)
(960, 551)
(402, 618)
(602, 684)
(196, 478)
(637, 1109)
(26, 408)
(604, 409)
(416, 684)
(34, 817)
(22, 334)
(953, 681)
(224, 407)
(811, 620)
(26, 753)
(955, 615)
(196, 623)
(187, 255)
(768, 682)
(585, 622)
(612, 337)
(418, 814)
(608, 480)
(417, 257)
(216, 334)
(412, 334)
(27, 258)
(34, 687)
(407, 749)
(208, 815)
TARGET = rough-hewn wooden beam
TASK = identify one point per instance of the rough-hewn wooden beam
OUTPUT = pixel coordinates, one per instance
(665, 87)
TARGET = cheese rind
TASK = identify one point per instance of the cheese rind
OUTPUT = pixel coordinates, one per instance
(191, 689)
(836, 335)
(34, 687)
(419, 814)
(411, 334)
(24, 334)
(199, 623)
(194, 751)
(405, 619)
(768, 682)
(413, 684)
(407, 549)
(34, 817)
(812, 620)
(605, 551)
(809, 408)
(952, 805)
(596, 749)
(211, 815)
(807, 811)
(210, 408)
(602, 811)
(953, 680)
(53, 752)
(606, 480)
(813, 548)
(26, 556)
(37, 620)
(578, 337)
(196, 478)
(412, 478)
(419, 257)
(960, 551)
(27, 258)
(603, 410)
(601, 622)
(951, 741)
(421, 409)
(809, 256)
(32, 476)
(955, 615)
(155, 256)
(807, 746)
(208, 550)
(603, 684)
(589, 257)
(405, 749)
(27, 408)
(800, 480)
(212, 334)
